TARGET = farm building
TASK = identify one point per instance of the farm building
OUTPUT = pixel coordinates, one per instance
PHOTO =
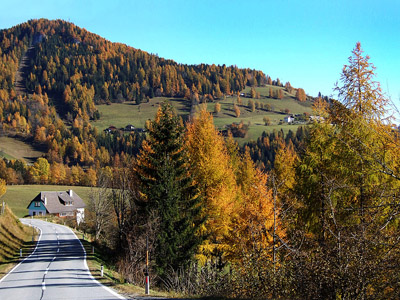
(110, 129)
(61, 204)
(289, 119)
(129, 128)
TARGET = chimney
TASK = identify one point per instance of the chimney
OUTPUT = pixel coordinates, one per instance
(70, 193)
(45, 200)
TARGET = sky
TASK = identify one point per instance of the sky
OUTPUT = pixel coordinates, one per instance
(305, 42)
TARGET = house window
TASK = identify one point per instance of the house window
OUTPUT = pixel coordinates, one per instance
(69, 203)
(37, 204)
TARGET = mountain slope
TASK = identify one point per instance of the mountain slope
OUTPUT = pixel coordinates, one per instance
(79, 68)
(53, 74)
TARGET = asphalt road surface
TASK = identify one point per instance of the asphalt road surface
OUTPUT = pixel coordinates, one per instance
(57, 269)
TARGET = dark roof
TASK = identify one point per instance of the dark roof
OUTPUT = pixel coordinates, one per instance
(56, 201)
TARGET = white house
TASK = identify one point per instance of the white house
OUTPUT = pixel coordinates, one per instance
(61, 204)
(289, 119)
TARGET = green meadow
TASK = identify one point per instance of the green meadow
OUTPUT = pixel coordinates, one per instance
(18, 197)
(12, 148)
(122, 114)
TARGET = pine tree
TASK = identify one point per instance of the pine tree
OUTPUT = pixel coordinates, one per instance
(170, 191)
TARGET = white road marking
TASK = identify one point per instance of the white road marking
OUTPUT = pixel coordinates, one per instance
(90, 274)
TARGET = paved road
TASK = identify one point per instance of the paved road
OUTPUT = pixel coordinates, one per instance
(57, 269)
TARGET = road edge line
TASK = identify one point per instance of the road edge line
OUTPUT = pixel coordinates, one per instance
(90, 273)
(33, 252)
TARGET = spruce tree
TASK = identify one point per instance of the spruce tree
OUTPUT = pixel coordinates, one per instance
(170, 191)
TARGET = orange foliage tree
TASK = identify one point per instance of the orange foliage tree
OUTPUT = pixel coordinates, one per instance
(211, 168)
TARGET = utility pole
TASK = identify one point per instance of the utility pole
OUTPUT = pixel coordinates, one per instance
(147, 287)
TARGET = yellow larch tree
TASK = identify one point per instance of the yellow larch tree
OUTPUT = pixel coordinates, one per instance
(251, 231)
(2, 187)
(210, 164)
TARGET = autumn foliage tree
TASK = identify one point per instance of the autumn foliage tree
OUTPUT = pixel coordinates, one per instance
(348, 185)
(211, 169)
(301, 95)
(2, 187)
(237, 201)
(217, 108)
(236, 109)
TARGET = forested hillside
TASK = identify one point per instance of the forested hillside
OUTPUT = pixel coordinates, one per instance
(53, 74)
(84, 68)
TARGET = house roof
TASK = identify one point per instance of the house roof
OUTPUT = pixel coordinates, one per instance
(56, 201)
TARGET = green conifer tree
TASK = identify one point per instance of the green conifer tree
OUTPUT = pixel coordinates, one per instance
(170, 191)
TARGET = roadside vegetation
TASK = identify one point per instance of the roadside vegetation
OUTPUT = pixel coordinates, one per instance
(98, 256)
(13, 237)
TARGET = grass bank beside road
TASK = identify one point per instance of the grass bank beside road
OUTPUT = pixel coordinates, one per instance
(13, 237)
(111, 278)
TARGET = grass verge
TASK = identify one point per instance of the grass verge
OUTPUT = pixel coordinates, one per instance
(13, 237)
(112, 278)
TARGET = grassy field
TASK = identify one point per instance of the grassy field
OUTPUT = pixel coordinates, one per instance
(13, 237)
(120, 115)
(18, 197)
(12, 148)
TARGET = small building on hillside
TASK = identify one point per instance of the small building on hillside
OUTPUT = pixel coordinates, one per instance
(61, 204)
(129, 128)
(289, 119)
(110, 129)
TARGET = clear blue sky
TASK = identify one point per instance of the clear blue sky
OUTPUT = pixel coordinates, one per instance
(305, 42)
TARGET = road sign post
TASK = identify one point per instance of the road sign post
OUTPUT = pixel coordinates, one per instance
(147, 286)
(102, 271)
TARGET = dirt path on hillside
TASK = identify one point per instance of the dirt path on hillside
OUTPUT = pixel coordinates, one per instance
(22, 72)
